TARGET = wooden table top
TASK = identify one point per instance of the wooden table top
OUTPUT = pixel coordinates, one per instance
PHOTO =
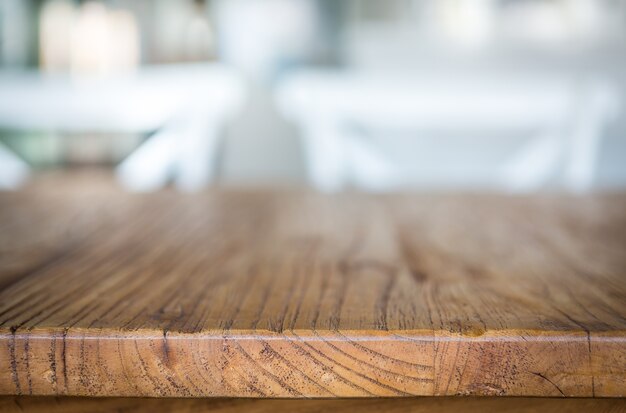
(296, 294)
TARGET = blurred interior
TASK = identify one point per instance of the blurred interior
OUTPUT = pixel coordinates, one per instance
(497, 95)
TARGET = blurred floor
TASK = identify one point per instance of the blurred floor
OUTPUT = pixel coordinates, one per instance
(413, 405)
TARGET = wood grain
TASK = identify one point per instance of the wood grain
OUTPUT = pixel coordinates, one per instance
(295, 294)
(31, 404)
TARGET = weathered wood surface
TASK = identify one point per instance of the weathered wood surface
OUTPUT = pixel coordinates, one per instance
(30, 404)
(280, 294)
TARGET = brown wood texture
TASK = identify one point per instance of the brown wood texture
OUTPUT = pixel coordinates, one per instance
(30, 404)
(287, 294)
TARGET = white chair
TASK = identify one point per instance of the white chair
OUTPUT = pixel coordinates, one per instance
(183, 105)
(562, 120)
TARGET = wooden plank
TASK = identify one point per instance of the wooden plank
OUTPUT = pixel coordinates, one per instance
(31, 404)
(294, 294)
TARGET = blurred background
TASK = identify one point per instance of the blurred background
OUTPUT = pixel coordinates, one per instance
(498, 95)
